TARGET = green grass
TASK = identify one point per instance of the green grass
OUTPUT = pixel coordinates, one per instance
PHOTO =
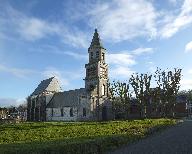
(74, 137)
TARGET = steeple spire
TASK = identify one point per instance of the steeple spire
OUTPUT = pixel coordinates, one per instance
(96, 42)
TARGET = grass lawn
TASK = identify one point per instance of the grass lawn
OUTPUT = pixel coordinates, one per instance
(75, 137)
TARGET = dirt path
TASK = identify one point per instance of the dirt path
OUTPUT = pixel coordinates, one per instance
(174, 140)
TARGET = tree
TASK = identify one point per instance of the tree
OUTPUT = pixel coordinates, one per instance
(125, 96)
(141, 86)
(22, 107)
(168, 83)
(120, 96)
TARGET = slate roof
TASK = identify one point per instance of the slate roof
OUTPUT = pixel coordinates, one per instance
(45, 85)
(66, 98)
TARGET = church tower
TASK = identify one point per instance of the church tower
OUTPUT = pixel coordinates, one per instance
(96, 79)
(96, 70)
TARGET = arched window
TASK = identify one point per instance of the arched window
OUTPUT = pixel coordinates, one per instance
(71, 112)
(103, 89)
(62, 112)
(97, 54)
(52, 112)
(103, 56)
(91, 55)
(84, 112)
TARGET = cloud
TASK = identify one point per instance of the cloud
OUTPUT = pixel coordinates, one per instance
(65, 78)
(186, 84)
(186, 81)
(76, 55)
(151, 66)
(190, 71)
(6, 102)
(34, 29)
(117, 20)
(31, 28)
(174, 2)
(121, 72)
(120, 64)
(51, 49)
(51, 71)
(75, 38)
(124, 19)
(141, 51)
(180, 21)
(188, 47)
(18, 72)
(121, 59)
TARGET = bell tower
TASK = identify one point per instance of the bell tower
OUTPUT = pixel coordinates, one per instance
(96, 70)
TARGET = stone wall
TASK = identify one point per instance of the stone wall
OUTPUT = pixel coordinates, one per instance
(81, 112)
(55, 114)
(84, 109)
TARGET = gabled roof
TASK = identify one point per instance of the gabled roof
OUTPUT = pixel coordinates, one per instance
(66, 99)
(49, 85)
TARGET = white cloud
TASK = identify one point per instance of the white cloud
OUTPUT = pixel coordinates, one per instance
(182, 20)
(117, 20)
(121, 72)
(120, 64)
(66, 78)
(7, 102)
(124, 19)
(190, 71)
(174, 2)
(140, 51)
(32, 28)
(188, 47)
(151, 66)
(53, 72)
(120, 59)
(74, 38)
(18, 72)
(51, 49)
(76, 55)
(186, 84)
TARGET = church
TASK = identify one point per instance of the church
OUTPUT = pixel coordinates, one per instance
(91, 103)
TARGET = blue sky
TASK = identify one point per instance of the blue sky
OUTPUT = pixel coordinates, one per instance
(42, 38)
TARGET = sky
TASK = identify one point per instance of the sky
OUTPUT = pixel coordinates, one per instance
(44, 38)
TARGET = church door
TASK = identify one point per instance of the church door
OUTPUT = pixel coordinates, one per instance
(104, 113)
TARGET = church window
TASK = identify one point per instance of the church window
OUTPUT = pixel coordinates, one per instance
(91, 55)
(52, 112)
(88, 70)
(84, 112)
(103, 56)
(33, 103)
(62, 112)
(97, 54)
(103, 89)
(71, 112)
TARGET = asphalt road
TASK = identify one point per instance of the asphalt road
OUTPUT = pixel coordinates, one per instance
(174, 140)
